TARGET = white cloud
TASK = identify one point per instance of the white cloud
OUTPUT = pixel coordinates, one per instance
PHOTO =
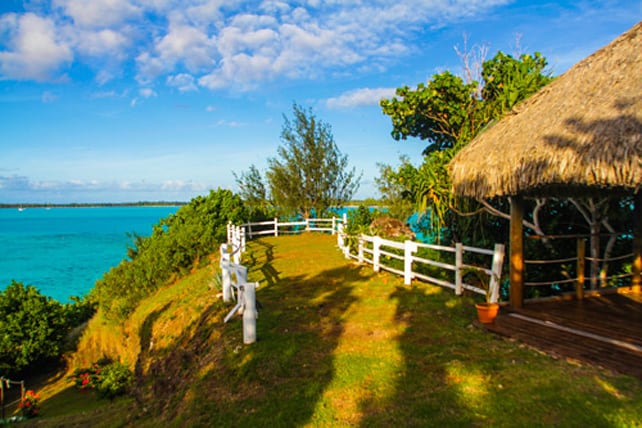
(183, 82)
(184, 46)
(360, 97)
(220, 43)
(49, 97)
(147, 92)
(99, 13)
(36, 51)
(20, 188)
(102, 42)
(231, 124)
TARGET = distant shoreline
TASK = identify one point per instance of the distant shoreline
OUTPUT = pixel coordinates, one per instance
(96, 205)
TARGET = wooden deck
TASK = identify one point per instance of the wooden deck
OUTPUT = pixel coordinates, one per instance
(604, 330)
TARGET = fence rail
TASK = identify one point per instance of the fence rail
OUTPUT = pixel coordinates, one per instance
(580, 259)
(401, 258)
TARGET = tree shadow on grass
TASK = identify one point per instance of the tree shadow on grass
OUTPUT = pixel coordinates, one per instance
(454, 374)
(207, 377)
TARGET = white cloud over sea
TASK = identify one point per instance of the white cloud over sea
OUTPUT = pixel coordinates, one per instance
(17, 187)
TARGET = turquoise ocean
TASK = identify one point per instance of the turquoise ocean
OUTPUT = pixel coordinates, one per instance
(64, 251)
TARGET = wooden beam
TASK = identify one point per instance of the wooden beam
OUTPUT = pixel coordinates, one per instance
(516, 252)
(581, 263)
(636, 281)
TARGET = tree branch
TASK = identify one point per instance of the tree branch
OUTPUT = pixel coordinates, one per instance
(494, 211)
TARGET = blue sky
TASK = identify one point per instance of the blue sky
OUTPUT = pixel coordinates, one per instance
(150, 100)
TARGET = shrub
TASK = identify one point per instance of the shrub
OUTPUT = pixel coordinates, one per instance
(29, 405)
(33, 327)
(116, 378)
(176, 244)
(109, 379)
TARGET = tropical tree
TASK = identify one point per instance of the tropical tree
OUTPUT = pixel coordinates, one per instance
(447, 114)
(309, 172)
(253, 191)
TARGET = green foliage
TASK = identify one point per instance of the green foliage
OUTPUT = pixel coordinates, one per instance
(80, 310)
(32, 328)
(448, 113)
(108, 378)
(310, 173)
(443, 112)
(176, 244)
(393, 186)
(508, 80)
(116, 380)
(359, 220)
(253, 191)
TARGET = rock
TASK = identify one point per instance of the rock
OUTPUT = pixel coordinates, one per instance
(391, 228)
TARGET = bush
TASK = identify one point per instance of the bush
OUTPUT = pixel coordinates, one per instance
(33, 327)
(176, 244)
(109, 379)
(30, 404)
(116, 380)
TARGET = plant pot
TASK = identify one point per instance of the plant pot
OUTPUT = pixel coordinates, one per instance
(487, 312)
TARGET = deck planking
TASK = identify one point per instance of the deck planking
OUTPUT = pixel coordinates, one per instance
(605, 330)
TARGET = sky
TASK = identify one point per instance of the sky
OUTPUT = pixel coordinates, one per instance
(163, 100)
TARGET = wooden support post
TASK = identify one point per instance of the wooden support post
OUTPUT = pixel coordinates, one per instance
(516, 252)
(581, 266)
(409, 248)
(636, 281)
(276, 226)
(376, 253)
(249, 313)
(498, 264)
(459, 260)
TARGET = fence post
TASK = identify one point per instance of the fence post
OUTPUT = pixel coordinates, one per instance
(498, 263)
(360, 249)
(459, 261)
(409, 248)
(226, 275)
(249, 313)
(229, 232)
(376, 253)
(581, 263)
(242, 238)
(276, 226)
(334, 224)
(307, 224)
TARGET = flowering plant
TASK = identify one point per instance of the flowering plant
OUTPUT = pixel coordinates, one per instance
(29, 404)
(87, 378)
(109, 379)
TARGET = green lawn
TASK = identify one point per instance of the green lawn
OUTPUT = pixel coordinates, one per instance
(340, 345)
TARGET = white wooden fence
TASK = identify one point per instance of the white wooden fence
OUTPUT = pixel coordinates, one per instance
(276, 228)
(382, 253)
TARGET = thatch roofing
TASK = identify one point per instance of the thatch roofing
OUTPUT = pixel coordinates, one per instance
(582, 133)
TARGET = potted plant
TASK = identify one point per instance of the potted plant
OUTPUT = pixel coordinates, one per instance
(487, 310)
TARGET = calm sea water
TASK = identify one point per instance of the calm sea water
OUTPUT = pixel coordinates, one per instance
(64, 251)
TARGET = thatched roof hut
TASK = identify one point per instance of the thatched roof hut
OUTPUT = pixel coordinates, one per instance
(581, 133)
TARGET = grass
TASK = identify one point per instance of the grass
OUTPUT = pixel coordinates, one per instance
(338, 345)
